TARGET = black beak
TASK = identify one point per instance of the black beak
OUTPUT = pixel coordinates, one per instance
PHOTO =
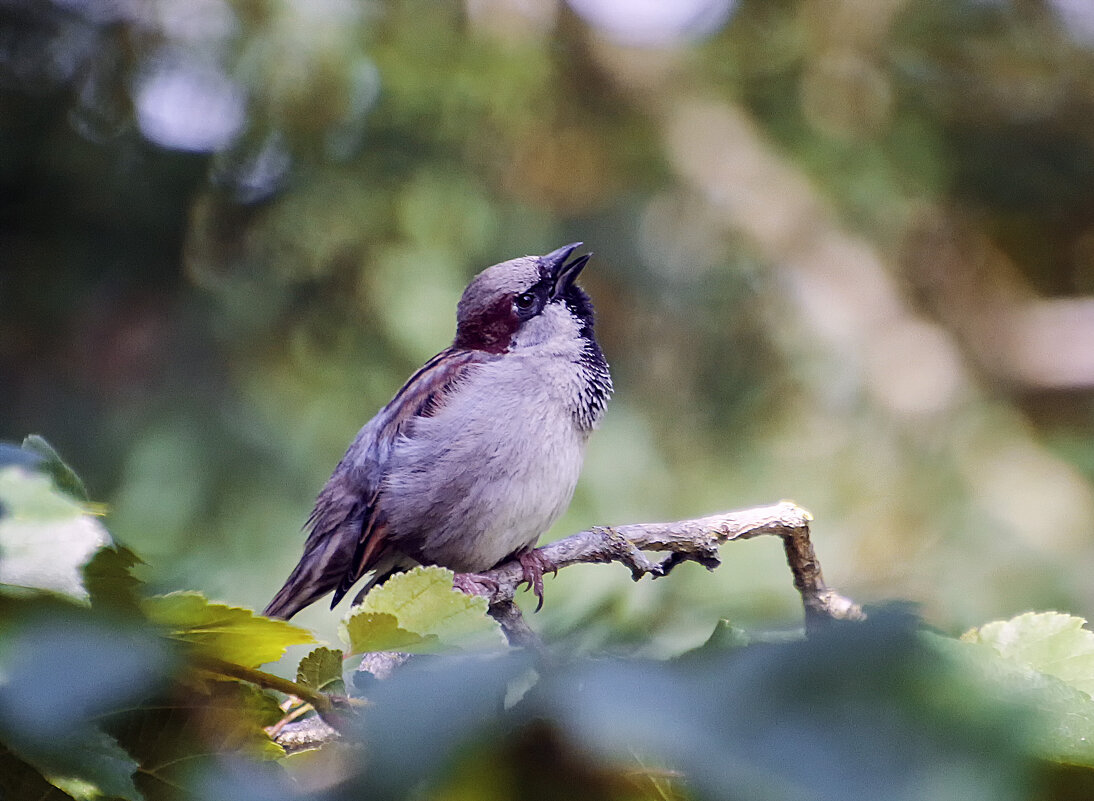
(564, 274)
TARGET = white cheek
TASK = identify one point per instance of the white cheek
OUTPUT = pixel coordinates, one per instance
(554, 327)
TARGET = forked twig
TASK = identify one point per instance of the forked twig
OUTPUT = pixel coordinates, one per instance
(695, 540)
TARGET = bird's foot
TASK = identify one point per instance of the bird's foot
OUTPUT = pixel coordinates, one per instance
(534, 566)
(475, 584)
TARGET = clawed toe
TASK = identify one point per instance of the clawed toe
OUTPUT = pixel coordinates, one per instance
(474, 584)
(534, 566)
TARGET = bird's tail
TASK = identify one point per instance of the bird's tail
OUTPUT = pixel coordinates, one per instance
(319, 572)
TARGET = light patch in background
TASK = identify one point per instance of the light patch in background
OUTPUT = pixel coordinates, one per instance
(1052, 343)
(655, 23)
(844, 94)
(191, 106)
(1076, 18)
(513, 19)
(362, 91)
(914, 368)
(200, 22)
(254, 171)
(1040, 499)
(678, 237)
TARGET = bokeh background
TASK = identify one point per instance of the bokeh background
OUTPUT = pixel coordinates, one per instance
(844, 255)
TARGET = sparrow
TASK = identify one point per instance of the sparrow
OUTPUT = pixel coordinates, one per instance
(479, 452)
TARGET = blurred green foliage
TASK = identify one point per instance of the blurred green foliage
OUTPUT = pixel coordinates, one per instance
(844, 254)
(110, 693)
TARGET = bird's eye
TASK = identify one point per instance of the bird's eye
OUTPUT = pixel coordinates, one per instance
(525, 301)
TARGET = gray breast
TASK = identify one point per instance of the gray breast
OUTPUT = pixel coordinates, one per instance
(491, 470)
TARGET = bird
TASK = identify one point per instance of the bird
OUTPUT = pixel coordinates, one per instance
(478, 454)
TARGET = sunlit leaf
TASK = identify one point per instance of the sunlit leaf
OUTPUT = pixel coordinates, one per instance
(379, 631)
(322, 670)
(1048, 642)
(45, 536)
(420, 611)
(231, 633)
(1062, 724)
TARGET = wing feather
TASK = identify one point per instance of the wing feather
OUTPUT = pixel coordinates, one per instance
(347, 527)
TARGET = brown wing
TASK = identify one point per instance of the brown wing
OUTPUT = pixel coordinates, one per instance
(347, 527)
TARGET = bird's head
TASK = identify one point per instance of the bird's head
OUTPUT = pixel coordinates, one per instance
(524, 302)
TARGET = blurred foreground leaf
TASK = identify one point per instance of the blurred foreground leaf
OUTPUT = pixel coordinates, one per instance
(51, 463)
(19, 780)
(1059, 719)
(862, 711)
(419, 611)
(181, 735)
(231, 633)
(1048, 642)
(109, 581)
(45, 536)
(65, 668)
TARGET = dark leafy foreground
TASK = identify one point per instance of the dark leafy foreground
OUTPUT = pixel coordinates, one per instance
(106, 692)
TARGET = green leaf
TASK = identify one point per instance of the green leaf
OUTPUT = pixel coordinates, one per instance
(64, 477)
(45, 536)
(231, 633)
(322, 670)
(365, 632)
(186, 735)
(725, 637)
(109, 580)
(99, 767)
(20, 780)
(1048, 642)
(852, 709)
(420, 611)
(66, 668)
(1061, 726)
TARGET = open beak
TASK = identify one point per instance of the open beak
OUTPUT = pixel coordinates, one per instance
(563, 273)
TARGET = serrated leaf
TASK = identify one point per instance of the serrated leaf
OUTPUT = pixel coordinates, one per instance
(65, 668)
(1063, 725)
(379, 631)
(100, 767)
(1048, 642)
(419, 611)
(322, 670)
(109, 580)
(20, 780)
(186, 735)
(231, 633)
(45, 536)
(64, 477)
(86, 763)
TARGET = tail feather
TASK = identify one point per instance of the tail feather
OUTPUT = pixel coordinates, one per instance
(319, 572)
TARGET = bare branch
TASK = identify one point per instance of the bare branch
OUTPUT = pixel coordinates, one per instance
(685, 541)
